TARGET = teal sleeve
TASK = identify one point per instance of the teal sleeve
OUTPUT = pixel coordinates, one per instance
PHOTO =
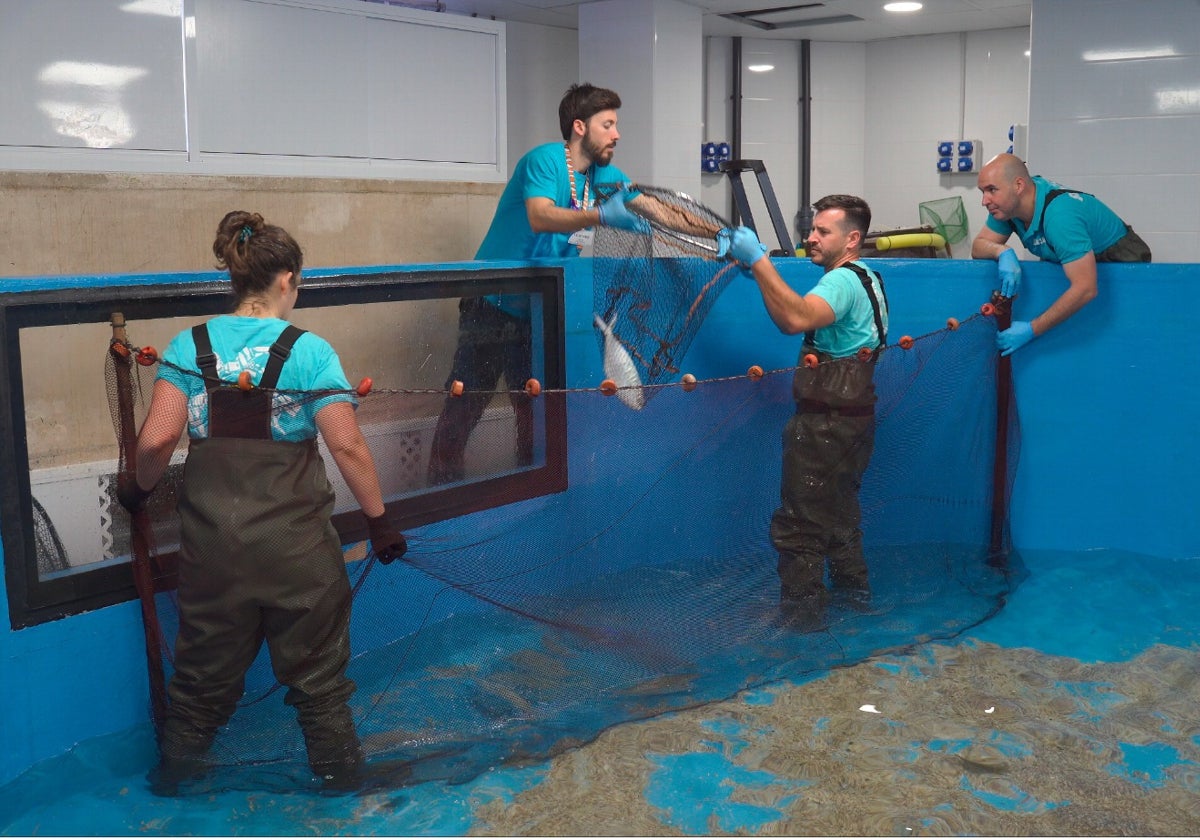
(181, 353)
(837, 288)
(327, 375)
(997, 226)
(542, 171)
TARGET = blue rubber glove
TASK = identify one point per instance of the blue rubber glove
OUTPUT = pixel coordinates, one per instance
(1015, 337)
(724, 236)
(745, 247)
(614, 213)
(1010, 272)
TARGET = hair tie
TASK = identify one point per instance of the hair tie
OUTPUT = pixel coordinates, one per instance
(245, 234)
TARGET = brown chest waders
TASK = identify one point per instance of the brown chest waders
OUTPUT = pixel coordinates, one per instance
(259, 561)
(827, 446)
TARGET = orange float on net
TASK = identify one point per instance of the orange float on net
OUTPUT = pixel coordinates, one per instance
(755, 372)
(533, 388)
(951, 323)
(865, 354)
(608, 387)
(456, 388)
(364, 386)
(120, 349)
(147, 356)
(244, 381)
(987, 309)
(811, 360)
(906, 342)
(688, 381)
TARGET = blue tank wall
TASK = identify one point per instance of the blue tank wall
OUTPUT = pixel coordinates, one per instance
(1106, 404)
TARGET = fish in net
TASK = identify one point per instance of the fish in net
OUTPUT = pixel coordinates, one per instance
(653, 290)
(648, 585)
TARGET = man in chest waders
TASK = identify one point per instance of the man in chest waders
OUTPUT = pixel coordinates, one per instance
(259, 559)
(827, 443)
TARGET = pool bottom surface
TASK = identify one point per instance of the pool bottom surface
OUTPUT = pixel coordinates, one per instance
(1067, 713)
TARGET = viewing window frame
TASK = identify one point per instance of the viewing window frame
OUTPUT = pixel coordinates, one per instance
(34, 599)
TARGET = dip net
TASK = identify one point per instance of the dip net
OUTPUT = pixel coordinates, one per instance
(647, 585)
(652, 291)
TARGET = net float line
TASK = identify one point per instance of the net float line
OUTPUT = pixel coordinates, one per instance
(533, 388)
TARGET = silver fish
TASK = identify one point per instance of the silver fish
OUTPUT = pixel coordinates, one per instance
(619, 367)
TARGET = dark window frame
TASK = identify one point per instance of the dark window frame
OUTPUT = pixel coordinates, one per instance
(33, 601)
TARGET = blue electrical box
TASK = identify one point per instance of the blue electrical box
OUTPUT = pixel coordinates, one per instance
(958, 156)
(712, 155)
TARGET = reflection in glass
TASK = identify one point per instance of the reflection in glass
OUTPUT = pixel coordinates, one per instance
(96, 116)
(406, 347)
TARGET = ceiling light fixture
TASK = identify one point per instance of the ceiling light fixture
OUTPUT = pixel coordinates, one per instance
(1136, 54)
(760, 68)
(902, 7)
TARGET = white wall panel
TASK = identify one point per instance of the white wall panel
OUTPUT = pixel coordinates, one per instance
(339, 84)
(266, 87)
(838, 133)
(616, 46)
(274, 80)
(650, 53)
(1115, 110)
(718, 118)
(91, 74)
(962, 86)
(433, 93)
(678, 94)
(771, 129)
(542, 62)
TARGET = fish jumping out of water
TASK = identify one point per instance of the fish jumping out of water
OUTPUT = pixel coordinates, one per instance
(619, 367)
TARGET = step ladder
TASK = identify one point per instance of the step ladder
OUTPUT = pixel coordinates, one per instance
(734, 169)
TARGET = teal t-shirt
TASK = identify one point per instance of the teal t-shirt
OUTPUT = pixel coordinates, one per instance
(854, 324)
(541, 173)
(1074, 224)
(244, 344)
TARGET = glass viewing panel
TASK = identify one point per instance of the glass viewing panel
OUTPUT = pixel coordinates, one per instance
(412, 335)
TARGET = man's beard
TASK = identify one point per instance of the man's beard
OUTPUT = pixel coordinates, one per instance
(595, 151)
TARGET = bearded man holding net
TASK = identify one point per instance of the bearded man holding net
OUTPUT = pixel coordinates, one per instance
(547, 210)
(827, 443)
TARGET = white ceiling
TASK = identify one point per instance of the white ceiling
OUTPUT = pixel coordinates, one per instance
(874, 24)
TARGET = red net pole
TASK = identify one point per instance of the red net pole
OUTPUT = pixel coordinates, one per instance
(139, 532)
(997, 548)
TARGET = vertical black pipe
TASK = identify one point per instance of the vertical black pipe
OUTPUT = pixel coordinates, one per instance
(735, 141)
(803, 222)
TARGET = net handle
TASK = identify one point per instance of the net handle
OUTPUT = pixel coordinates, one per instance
(690, 227)
(139, 531)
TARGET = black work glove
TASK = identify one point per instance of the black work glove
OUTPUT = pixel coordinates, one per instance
(387, 543)
(131, 496)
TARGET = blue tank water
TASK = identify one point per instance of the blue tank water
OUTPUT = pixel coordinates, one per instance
(1107, 454)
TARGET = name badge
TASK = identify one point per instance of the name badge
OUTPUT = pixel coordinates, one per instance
(582, 239)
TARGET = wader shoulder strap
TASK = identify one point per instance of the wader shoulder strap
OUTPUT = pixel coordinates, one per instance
(810, 336)
(280, 350)
(1050, 196)
(206, 360)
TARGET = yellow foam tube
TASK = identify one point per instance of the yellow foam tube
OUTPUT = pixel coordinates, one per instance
(910, 240)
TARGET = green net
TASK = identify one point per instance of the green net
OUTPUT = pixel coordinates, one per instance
(946, 216)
